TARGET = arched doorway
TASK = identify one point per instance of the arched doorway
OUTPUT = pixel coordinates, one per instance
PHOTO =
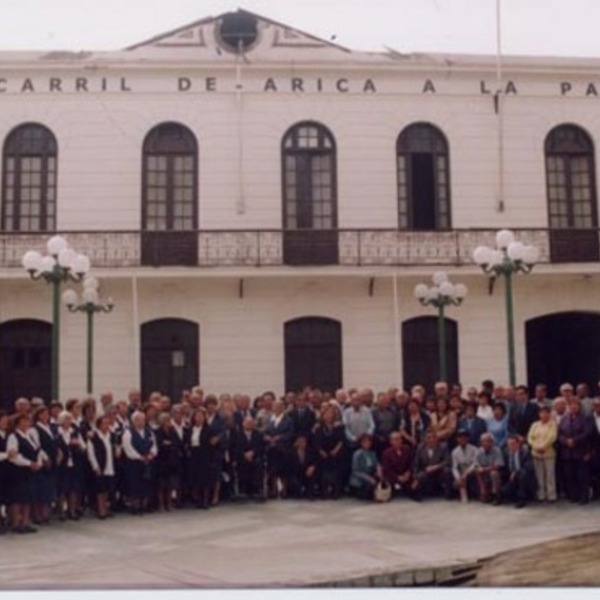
(25, 360)
(170, 360)
(563, 347)
(313, 354)
(420, 352)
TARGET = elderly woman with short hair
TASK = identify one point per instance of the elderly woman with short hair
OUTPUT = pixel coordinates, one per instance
(71, 463)
(139, 447)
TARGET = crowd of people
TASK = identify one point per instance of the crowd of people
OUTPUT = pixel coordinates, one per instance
(98, 457)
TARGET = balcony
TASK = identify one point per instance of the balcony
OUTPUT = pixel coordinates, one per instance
(273, 248)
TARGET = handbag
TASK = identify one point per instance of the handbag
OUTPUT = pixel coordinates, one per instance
(383, 492)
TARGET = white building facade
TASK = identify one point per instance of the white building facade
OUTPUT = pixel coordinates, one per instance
(261, 204)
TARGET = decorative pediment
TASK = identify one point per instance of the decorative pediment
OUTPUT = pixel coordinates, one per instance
(236, 33)
(193, 36)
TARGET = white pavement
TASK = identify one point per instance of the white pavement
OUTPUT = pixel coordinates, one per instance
(281, 543)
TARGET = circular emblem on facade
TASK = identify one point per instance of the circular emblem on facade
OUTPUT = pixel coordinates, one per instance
(237, 32)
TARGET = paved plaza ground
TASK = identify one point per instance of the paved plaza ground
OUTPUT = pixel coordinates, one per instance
(281, 543)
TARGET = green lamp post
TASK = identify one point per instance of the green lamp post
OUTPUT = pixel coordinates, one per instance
(508, 258)
(60, 265)
(89, 304)
(440, 295)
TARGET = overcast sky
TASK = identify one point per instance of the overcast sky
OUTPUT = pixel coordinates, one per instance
(539, 27)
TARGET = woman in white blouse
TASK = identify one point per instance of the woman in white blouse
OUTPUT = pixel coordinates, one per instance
(139, 446)
(485, 410)
(101, 454)
(25, 457)
(71, 457)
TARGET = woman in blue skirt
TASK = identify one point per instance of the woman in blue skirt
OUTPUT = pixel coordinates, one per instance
(46, 479)
(71, 460)
(24, 456)
(139, 447)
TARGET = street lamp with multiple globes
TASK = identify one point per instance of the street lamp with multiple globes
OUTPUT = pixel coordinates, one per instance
(90, 304)
(508, 258)
(60, 265)
(443, 293)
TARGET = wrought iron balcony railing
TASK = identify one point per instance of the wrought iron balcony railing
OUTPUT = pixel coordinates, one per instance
(272, 248)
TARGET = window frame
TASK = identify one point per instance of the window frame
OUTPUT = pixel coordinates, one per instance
(326, 147)
(15, 151)
(150, 148)
(567, 157)
(437, 137)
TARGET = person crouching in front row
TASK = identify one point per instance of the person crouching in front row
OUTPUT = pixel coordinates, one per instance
(489, 468)
(397, 462)
(463, 466)
(366, 470)
(521, 486)
(431, 467)
(302, 470)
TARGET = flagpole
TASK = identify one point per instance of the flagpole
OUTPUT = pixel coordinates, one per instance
(499, 101)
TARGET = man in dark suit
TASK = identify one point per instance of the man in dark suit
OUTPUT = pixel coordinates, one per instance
(302, 470)
(521, 485)
(249, 460)
(475, 425)
(303, 417)
(431, 468)
(574, 439)
(243, 410)
(523, 414)
(386, 421)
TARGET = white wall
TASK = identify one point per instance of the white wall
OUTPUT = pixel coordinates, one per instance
(100, 138)
(241, 339)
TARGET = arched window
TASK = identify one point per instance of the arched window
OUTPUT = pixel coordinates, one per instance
(571, 185)
(309, 194)
(313, 354)
(170, 196)
(29, 179)
(170, 179)
(423, 178)
(570, 178)
(309, 178)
